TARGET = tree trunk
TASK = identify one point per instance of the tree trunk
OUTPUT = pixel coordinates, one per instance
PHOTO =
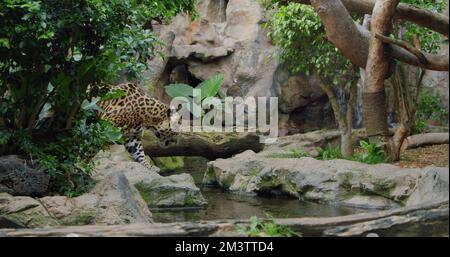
(425, 18)
(346, 138)
(346, 143)
(344, 122)
(353, 40)
(377, 70)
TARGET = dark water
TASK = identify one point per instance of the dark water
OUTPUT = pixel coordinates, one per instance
(223, 205)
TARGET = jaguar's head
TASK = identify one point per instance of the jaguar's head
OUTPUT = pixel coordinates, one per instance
(164, 131)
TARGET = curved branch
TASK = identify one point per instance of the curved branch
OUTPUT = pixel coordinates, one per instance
(425, 18)
(419, 54)
(353, 40)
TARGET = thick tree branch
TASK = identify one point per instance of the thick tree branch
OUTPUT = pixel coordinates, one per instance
(425, 18)
(419, 54)
(353, 40)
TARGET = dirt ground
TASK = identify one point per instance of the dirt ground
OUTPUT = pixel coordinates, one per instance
(437, 155)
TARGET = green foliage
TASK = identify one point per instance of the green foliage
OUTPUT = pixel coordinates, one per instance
(300, 34)
(209, 88)
(72, 44)
(51, 51)
(67, 159)
(373, 153)
(430, 41)
(300, 153)
(329, 153)
(268, 227)
(429, 109)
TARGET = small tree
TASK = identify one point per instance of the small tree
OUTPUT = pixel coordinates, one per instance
(375, 51)
(299, 33)
(50, 52)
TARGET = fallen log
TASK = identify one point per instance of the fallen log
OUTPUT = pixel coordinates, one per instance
(414, 217)
(420, 140)
(208, 145)
(350, 225)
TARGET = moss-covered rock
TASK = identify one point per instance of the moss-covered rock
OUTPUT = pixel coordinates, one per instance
(347, 182)
(168, 164)
(175, 191)
(24, 212)
(178, 191)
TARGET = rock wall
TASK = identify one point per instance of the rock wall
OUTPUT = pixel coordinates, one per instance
(230, 38)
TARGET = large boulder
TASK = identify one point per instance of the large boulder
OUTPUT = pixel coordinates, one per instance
(111, 202)
(17, 178)
(23, 212)
(339, 181)
(176, 191)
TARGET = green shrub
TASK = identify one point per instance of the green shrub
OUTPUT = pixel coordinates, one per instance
(429, 109)
(373, 153)
(67, 156)
(267, 227)
(300, 153)
(329, 153)
(51, 51)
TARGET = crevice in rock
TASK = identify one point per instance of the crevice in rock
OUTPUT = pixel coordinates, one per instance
(224, 10)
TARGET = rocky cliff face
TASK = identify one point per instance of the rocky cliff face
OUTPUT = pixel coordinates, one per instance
(230, 38)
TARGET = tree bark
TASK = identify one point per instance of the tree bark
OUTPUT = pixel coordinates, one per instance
(347, 139)
(344, 128)
(353, 40)
(377, 70)
(210, 146)
(425, 139)
(425, 18)
(344, 121)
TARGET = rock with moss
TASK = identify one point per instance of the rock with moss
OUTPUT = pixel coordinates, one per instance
(176, 191)
(347, 182)
(169, 164)
(113, 201)
(23, 212)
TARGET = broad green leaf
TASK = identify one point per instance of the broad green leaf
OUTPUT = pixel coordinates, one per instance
(179, 90)
(211, 86)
